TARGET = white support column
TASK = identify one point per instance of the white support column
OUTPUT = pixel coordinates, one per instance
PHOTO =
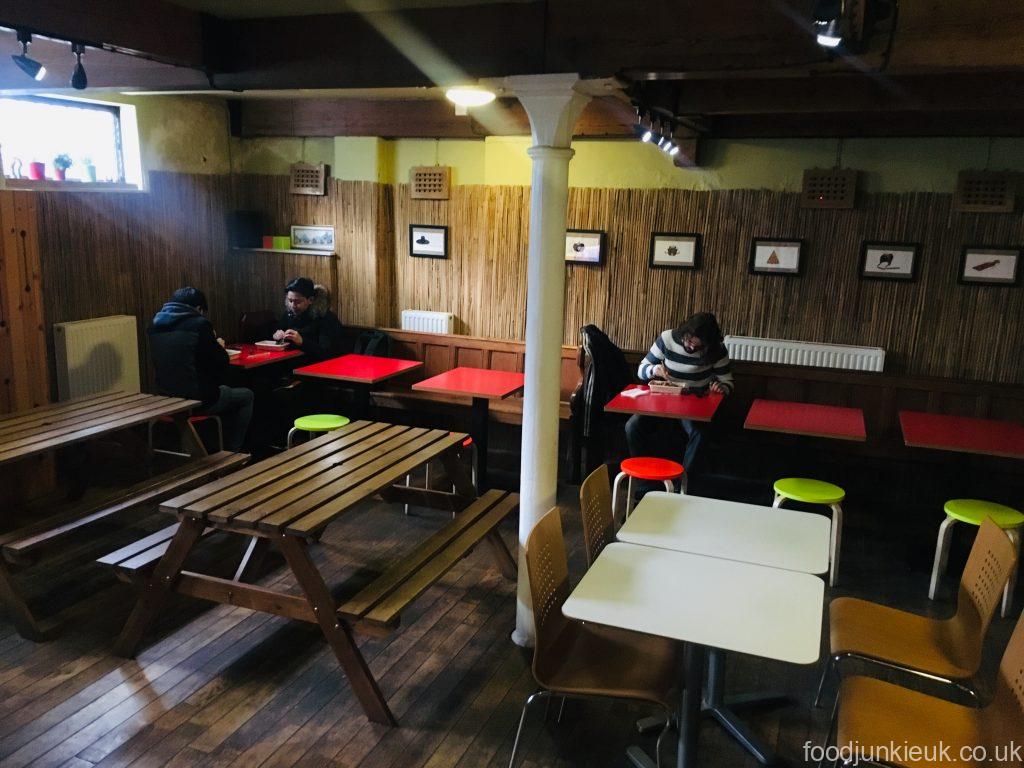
(553, 107)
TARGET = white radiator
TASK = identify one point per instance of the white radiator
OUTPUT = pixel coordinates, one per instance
(427, 322)
(97, 355)
(806, 353)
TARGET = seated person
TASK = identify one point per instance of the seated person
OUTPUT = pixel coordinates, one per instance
(693, 354)
(190, 362)
(308, 322)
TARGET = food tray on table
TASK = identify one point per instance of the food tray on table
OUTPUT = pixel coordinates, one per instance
(666, 388)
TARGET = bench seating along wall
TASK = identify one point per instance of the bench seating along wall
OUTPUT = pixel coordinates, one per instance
(881, 396)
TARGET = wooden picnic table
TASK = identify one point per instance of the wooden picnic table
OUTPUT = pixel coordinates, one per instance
(27, 433)
(289, 499)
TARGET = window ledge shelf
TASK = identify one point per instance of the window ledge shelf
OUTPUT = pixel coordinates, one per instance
(286, 250)
(53, 185)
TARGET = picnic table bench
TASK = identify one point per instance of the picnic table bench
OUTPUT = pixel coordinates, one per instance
(289, 499)
(40, 430)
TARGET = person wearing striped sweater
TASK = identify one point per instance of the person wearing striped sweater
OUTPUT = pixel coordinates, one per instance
(693, 355)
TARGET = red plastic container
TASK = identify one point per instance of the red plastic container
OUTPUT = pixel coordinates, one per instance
(37, 171)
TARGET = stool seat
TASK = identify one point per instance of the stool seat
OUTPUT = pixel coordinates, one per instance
(809, 491)
(974, 511)
(320, 422)
(649, 468)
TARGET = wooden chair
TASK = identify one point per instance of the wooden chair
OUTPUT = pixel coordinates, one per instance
(944, 650)
(873, 714)
(596, 511)
(580, 660)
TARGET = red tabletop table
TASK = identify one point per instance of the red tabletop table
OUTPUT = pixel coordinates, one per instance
(358, 369)
(806, 419)
(362, 371)
(255, 357)
(963, 434)
(692, 407)
(482, 385)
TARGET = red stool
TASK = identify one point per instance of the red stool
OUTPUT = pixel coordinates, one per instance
(647, 468)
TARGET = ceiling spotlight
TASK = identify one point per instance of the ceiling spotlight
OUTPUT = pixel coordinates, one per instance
(30, 67)
(78, 79)
(829, 22)
(469, 96)
(643, 127)
(674, 151)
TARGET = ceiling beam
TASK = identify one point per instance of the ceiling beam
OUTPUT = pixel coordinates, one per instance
(150, 28)
(415, 118)
(850, 93)
(869, 125)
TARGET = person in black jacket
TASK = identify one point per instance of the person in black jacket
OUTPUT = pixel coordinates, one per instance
(190, 362)
(308, 322)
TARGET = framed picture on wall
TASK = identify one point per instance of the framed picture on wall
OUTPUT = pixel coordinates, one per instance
(310, 238)
(990, 266)
(775, 257)
(428, 241)
(674, 250)
(585, 246)
(888, 261)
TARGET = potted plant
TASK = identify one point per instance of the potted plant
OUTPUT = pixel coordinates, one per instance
(61, 163)
(90, 169)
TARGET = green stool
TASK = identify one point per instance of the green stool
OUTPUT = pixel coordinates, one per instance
(817, 492)
(972, 512)
(315, 423)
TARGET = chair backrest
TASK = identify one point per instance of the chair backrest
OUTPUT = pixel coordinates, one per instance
(988, 569)
(376, 343)
(256, 326)
(548, 570)
(1007, 707)
(596, 511)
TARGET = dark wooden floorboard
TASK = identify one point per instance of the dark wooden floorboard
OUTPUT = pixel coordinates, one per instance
(222, 686)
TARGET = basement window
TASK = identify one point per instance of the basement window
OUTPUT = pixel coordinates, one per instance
(59, 143)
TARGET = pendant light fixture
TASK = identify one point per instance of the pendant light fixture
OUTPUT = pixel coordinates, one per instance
(79, 81)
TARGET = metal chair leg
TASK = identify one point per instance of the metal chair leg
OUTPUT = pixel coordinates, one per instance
(833, 663)
(629, 497)
(837, 537)
(291, 434)
(615, 495)
(670, 486)
(830, 733)
(522, 719)
(408, 483)
(778, 501)
(561, 709)
(941, 555)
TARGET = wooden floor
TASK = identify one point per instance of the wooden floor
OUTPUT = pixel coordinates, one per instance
(223, 686)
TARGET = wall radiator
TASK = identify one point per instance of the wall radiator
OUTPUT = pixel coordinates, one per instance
(805, 353)
(98, 355)
(427, 322)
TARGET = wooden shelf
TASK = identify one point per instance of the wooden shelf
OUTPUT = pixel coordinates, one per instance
(285, 250)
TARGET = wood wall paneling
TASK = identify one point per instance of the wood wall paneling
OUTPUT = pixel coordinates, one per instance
(104, 254)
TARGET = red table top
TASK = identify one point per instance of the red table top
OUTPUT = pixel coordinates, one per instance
(963, 434)
(253, 356)
(666, 406)
(806, 419)
(477, 382)
(361, 369)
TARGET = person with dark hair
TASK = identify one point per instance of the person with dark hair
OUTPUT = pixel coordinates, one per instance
(309, 323)
(190, 362)
(693, 355)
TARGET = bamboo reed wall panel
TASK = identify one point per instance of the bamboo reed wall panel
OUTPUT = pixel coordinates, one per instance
(105, 254)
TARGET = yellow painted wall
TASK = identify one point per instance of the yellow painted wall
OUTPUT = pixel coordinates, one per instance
(190, 135)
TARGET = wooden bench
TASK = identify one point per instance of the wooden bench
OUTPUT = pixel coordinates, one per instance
(377, 608)
(133, 562)
(26, 546)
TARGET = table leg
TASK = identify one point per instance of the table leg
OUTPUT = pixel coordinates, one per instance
(718, 707)
(252, 560)
(690, 703)
(452, 461)
(18, 611)
(338, 635)
(154, 595)
(481, 408)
